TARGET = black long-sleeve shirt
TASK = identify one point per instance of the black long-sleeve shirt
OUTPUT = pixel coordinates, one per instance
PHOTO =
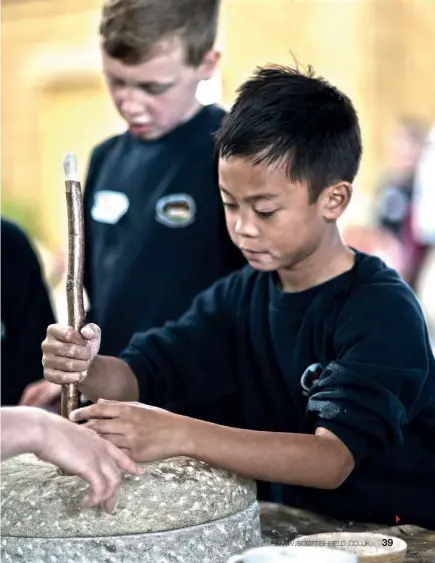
(26, 313)
(239, 356)
(155, 228)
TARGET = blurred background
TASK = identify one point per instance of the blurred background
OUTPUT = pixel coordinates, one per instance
(380, 52)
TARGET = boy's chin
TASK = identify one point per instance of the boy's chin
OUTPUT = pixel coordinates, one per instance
(146, 135)
(263, 266)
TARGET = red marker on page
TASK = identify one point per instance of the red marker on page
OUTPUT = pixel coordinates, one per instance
(397, 518)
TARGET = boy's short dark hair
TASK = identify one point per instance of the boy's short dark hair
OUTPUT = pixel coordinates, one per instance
(284, 115)
(130, 29)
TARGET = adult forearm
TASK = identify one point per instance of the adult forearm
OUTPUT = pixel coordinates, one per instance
(318, 461)
(21, 430)
(110, 378)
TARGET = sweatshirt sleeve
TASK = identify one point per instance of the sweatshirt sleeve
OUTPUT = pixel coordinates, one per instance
(187, 364)
(383, 374)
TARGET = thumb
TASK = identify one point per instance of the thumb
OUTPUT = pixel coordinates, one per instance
(91, 331)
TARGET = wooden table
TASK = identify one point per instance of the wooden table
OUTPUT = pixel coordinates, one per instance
(282, 524)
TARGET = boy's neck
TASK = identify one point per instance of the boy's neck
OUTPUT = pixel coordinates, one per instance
(194, 110)
(328, 261)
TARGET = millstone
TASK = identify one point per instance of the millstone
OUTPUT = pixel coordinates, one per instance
(178, 510)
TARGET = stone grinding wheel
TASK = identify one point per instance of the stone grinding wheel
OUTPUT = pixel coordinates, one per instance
(178, 510)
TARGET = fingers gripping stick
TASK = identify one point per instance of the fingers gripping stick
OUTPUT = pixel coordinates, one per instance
(74, 282)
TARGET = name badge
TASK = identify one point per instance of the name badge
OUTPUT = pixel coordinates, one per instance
(109, 206)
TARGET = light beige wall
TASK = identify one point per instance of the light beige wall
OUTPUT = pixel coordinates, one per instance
(53, 101)
(380, 52)
(34, 36)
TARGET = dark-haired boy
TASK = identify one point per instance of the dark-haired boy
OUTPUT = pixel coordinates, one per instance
(312, 366)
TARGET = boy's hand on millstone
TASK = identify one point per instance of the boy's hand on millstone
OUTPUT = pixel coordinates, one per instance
(67, 354)
(146, 433)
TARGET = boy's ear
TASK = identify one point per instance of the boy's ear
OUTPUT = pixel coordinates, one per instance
(334, 200)
(209, 64)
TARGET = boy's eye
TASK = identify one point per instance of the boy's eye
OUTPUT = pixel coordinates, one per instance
(229, 205)
(155, 89)
(116, 82)
(265, 214)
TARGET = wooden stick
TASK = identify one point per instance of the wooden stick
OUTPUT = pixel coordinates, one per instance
(74, 282)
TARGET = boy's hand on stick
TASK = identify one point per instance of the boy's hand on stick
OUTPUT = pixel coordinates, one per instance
(68, 354)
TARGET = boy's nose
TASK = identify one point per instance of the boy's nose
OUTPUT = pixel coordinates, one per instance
(131, 106)
(245, 228)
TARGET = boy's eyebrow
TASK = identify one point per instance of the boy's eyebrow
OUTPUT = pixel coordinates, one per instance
(152, 83)
(140, 84)
(252, 198)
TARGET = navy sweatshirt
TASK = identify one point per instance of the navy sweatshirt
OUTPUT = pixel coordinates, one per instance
(155, 228)
(26, 312)
(351, 355)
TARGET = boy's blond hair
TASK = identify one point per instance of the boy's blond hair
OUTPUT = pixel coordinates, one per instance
(132, 31)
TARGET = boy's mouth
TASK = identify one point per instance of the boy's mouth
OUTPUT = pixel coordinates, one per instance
(252, 251)
(254, 255)
(139, 127)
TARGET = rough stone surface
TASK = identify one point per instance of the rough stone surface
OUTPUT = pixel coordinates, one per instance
(177, 510)
(38, 502)
(214, 542)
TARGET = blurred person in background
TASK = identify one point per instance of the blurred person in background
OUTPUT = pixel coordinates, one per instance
(424, 194)
(155, 226)
(395, 206)
(25, 311)
(424, 226)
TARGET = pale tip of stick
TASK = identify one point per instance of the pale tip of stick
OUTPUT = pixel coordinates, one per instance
(70, 167)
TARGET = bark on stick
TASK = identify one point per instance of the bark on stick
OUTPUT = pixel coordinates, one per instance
(74, 282)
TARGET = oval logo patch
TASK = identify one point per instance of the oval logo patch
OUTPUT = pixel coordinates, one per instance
(176, 210)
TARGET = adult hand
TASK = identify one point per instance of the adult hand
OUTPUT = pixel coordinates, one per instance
(80, 451)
